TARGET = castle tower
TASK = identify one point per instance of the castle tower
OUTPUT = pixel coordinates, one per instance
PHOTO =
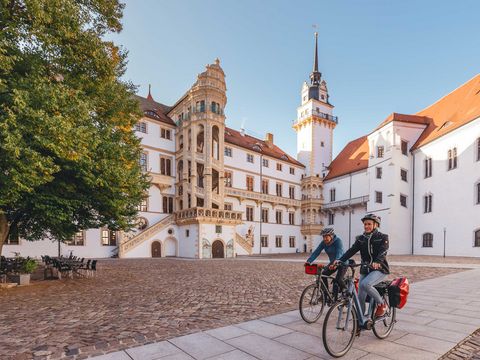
(314, 126)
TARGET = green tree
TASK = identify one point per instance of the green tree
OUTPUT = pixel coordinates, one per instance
(69, 159)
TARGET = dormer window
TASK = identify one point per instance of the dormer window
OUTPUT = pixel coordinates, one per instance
(257, 148)
(151, 113)
(284, 157)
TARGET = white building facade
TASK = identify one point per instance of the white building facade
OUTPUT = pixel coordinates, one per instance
(217, 192)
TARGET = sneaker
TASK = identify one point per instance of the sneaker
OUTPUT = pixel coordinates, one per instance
(381, 309)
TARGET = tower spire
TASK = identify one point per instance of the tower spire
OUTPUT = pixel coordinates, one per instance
(149, 96)
(315, 76)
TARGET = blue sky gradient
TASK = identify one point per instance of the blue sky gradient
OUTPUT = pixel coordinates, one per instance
(377, 56)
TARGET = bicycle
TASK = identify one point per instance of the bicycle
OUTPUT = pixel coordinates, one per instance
(344, 320)
(315, 296)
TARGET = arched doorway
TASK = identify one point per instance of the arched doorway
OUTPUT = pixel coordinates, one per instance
(156, 249)
(218, 249)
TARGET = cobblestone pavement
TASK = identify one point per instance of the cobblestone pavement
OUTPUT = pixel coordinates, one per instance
(139, 301)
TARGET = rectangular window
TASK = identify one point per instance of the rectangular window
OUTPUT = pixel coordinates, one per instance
(187, 233)
(478, 149)
(404, 147)
(427, 240)
(452, 158)
(264, 215)
(279, 166)
(403, 174)
(427, 203)
(292, 170)
(279, 189)
(291, 192)
(165, 133)
(278, 216)
(249, 183)
(278, 241)
(141, 127)
(109, 237)
(165, 166)
(227, 206)
(250, 158)
(249, 213)
(264, 186)
(200, 106)
(218, 229)
(331, 218)
(77, 240)
(264, 240)
(379, 172)
(380, 151)
(291, 241)
(403, 200)
(265, 162)
(291, 218)
(332, 194)
(144, 161)
(228, 151)
(167, 204)
(478, 193)
(143, 205)
(228, 178)
(378, 197)
(428, 167)
(477, 239)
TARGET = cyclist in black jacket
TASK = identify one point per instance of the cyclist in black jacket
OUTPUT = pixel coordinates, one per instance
(373, 247)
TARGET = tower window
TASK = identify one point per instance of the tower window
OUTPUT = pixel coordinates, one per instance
(322, 144)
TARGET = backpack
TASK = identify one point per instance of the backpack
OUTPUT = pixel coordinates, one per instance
(398, 292)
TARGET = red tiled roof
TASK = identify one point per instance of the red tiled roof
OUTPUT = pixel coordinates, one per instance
(248, 142)
(352, 158)
(452, 111)
(159, 110)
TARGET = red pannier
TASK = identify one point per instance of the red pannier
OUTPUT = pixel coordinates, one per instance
(313, 269)
(398, 292)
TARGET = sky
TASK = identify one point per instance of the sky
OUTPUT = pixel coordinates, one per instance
(377, 56)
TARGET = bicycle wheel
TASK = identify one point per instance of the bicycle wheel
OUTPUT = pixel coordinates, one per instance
(338, 334)
(383, 326)
(311, 303)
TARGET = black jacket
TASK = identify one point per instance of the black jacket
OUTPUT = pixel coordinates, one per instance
(372, 249)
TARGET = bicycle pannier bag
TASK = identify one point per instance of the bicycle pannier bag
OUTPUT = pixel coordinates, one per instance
(398, 292)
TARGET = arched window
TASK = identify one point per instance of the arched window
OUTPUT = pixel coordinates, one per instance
(427, 240)
(215, 142)
(200, 139)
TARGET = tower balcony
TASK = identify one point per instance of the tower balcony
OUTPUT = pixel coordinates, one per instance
(316, 113)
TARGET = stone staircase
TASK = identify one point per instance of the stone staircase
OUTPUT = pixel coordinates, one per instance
(131, 243)
(244, 243)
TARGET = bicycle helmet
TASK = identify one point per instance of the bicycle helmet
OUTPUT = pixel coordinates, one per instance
(373, 217)
(327, 231)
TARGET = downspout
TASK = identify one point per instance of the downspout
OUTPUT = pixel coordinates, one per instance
(413, 201)
(350, 215)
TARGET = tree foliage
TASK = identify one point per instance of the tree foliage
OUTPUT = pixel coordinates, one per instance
(68, 153)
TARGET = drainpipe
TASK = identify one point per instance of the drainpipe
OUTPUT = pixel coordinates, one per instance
(413, 204)
(261, 203)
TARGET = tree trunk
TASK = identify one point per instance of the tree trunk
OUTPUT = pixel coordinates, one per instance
(4, 228)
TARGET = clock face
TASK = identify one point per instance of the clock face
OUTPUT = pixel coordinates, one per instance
(142, 223)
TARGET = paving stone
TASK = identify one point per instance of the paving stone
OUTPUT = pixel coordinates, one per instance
(264, 328)
(201, 345)
(426, 343)
(119, 355)
(266, 349)
(233, 355)
(152, 351)
(227, 332)
(280, 319)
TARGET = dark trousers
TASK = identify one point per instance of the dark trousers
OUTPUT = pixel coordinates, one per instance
(327, 272)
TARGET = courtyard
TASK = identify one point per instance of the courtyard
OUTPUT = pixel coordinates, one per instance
(140, 301)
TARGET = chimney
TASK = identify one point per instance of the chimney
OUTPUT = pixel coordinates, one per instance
(242, 131)
(269, 139)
